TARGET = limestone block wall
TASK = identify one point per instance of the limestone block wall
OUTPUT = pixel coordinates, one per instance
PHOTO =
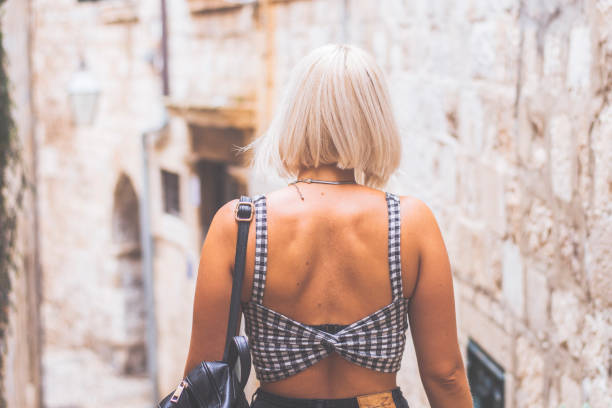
(215, 55)
(21, 374)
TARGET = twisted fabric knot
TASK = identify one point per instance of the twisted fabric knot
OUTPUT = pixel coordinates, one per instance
(329, 344)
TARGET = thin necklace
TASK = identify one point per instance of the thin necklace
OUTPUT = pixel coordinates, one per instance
(309, 180)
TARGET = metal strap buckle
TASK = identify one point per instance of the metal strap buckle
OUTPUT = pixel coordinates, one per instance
(238, 206)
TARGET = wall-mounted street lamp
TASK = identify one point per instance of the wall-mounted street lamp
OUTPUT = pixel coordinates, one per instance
(83, 93)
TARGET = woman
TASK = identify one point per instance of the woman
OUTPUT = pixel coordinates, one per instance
(335, 267)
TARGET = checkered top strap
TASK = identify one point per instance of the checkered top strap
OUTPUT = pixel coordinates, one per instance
(395, 266)
(261, 248)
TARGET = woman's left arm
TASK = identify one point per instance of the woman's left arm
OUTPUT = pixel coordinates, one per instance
(213, 289)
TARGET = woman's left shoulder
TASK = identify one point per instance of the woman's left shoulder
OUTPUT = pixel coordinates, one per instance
(224, 221)
(414, 209)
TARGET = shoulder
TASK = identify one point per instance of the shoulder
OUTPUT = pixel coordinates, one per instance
(413, 207)
(225, 217)
(417, 217)
(227, 211)
(223, 225)
(225, 214)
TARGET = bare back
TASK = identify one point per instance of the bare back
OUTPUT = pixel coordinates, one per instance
(327, 263)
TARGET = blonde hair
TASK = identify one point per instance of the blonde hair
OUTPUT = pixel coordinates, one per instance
(336, 109)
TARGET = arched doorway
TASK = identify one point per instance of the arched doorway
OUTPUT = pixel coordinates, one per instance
(129, 354)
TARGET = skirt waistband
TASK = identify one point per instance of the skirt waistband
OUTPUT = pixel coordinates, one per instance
(360, 401)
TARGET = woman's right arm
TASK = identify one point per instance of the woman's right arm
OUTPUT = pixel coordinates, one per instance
(432, 319)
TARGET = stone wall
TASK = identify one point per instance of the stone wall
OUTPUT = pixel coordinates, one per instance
(21, 377)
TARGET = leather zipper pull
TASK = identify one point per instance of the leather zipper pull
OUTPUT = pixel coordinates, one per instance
(178, 391)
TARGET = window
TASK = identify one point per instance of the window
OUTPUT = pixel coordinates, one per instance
(170, 188)
(486, 378)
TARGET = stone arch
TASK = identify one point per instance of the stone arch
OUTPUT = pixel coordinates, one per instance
(129, 353)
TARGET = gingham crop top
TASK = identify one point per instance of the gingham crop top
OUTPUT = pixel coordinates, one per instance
(281, 346)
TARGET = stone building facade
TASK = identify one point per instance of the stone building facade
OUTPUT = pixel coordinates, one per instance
(505, 113)
(20, 375)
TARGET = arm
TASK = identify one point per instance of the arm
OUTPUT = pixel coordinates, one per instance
(432, 319)
(213, 289)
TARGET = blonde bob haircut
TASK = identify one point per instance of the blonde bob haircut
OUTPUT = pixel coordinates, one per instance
(335, 110)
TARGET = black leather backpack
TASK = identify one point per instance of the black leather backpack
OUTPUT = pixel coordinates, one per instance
(220, 384)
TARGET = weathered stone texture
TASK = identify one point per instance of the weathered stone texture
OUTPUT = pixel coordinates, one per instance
(20, 345)
(561, 154)
(530, 374)
(513, 279)
(537, 300)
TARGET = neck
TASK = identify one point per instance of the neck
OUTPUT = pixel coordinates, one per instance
(327, 172)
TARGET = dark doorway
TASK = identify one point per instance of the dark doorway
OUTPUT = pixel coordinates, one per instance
(129, 355)
(218, 185)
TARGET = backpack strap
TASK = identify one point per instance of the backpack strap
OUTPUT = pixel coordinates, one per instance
(243, 215)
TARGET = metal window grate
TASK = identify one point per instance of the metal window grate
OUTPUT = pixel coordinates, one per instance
(486, 378)
(171, 192)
